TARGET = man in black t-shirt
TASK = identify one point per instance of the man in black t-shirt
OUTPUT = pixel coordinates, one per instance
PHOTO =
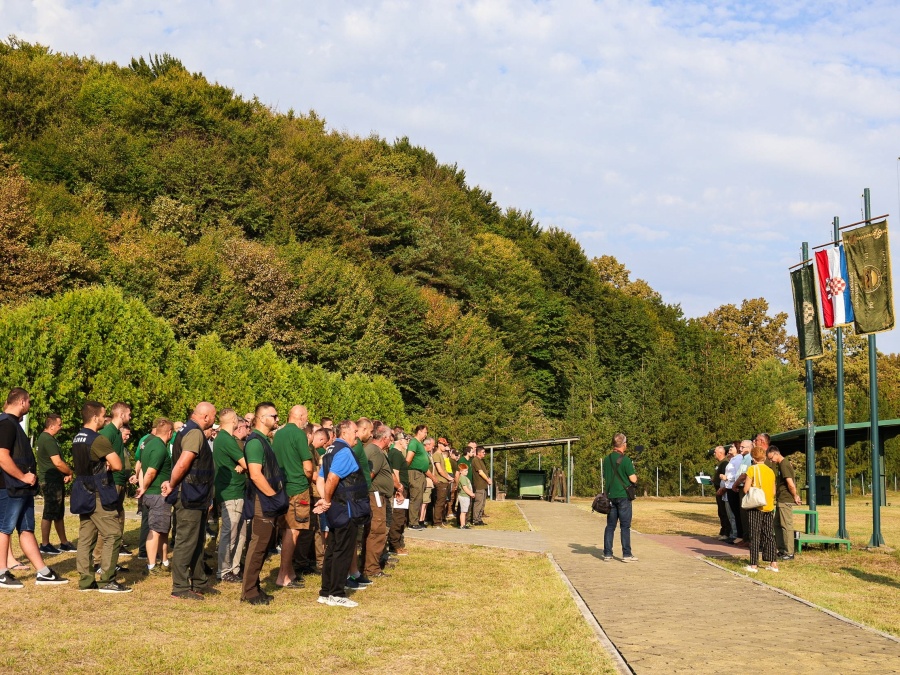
(721, 497)
(19, 485)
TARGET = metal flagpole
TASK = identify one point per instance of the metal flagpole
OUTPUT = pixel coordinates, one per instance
(877, 539)
(810, 432)
(842, 467)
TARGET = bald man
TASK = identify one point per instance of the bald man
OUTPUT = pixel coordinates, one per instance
(291, 448)
(189, 489)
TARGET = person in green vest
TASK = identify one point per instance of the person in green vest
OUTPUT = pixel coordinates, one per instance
(157, 469)
(121, 415)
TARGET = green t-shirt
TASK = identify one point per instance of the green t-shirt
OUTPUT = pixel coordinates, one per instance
(230, 484)
(140, 446)
(467, 462)
(292, 449)
(464, 482)
(782, 493)
(156, 456)
(255, 452)
(397, 461)
(363, 461)
(114, 436)
(47, 447)
(420, 461)
(384, 475)
(615, 488)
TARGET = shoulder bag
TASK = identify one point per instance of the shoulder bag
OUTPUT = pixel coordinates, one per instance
(754, 497)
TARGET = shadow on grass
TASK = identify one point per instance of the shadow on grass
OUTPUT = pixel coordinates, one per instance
(587, 550)
(696, 517)
(871, 578)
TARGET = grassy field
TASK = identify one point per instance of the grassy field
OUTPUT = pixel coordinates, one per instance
(504, 515)
(446, 608)
(861, 585)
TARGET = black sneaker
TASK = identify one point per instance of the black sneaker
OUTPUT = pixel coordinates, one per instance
(92, 587)
(786, 557)
(67, 547)
(119, 568)
(232, 578)
(363, 580)
(49, 549)
(207, 590)
(124, 551)
(51, 579)
(7, 580)
(115, 587)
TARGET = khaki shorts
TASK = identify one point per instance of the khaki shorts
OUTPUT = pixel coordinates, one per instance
(297, 516)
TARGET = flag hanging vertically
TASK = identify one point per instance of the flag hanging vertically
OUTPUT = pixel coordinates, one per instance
(869, 267)
(806, 310)
(834, 287)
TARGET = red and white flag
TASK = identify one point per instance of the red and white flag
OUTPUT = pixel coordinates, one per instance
(834, 287)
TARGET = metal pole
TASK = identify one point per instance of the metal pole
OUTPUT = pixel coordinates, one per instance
(877, 539)
(842, 466)
(810, 431)
(679, 479)
(657, 481)
(568, 471)
(539, 461)
(491, 486)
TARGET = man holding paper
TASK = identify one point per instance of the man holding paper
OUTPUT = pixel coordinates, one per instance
(381, 491)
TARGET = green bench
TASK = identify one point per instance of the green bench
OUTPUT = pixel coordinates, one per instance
(813, 537)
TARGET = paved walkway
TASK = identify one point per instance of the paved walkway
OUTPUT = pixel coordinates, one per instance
(520, 541)
(661, 614)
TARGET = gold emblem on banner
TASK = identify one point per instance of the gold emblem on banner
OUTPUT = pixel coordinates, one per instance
(809, 312)
(871, 279)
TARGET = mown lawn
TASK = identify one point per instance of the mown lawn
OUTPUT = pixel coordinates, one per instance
(445, 609)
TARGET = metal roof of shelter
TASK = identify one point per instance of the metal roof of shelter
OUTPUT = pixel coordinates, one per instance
(793, 441)
(522, 445)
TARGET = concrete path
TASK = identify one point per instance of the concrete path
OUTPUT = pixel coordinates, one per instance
(673, 613)
(483, 536)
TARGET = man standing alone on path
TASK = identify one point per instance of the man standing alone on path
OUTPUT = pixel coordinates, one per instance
(619, 470)
(53, 473)
(786, 497)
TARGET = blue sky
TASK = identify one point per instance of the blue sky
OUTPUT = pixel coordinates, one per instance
(699, 143)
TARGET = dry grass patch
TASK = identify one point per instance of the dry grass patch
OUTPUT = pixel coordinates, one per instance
(446, 608)
(505, 515)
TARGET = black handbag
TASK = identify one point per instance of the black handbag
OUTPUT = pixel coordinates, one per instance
(601, 504)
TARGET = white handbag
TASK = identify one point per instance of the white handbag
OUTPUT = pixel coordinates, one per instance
(754, 497)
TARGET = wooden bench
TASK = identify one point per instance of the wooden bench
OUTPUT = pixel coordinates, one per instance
(807, 537)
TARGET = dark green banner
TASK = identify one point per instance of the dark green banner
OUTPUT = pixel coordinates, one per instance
(806, 310)
(869, 266)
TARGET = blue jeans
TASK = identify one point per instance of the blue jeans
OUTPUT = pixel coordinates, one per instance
(16, 513)
(619, 512)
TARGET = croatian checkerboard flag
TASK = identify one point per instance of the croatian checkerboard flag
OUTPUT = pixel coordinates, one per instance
(834, 287)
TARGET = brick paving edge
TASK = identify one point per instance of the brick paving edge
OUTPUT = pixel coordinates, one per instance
(781, 591)
(619, 661)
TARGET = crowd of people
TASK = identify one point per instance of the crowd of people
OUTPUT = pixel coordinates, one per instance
(768, 529)
(330, 500)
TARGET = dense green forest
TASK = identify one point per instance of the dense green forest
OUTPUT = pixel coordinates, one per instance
(260, 254)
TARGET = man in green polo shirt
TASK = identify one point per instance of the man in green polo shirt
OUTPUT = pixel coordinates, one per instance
(230, 482)
(619, 472)
(121, 415)
(157, 469)
(53, 474)
(399, 517)
(419, 464)
(291, 448)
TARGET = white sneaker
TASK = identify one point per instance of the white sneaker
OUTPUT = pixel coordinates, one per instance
(339, 601)
(629, 558)
(752, 570)
(322, 600)
(771, 569)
